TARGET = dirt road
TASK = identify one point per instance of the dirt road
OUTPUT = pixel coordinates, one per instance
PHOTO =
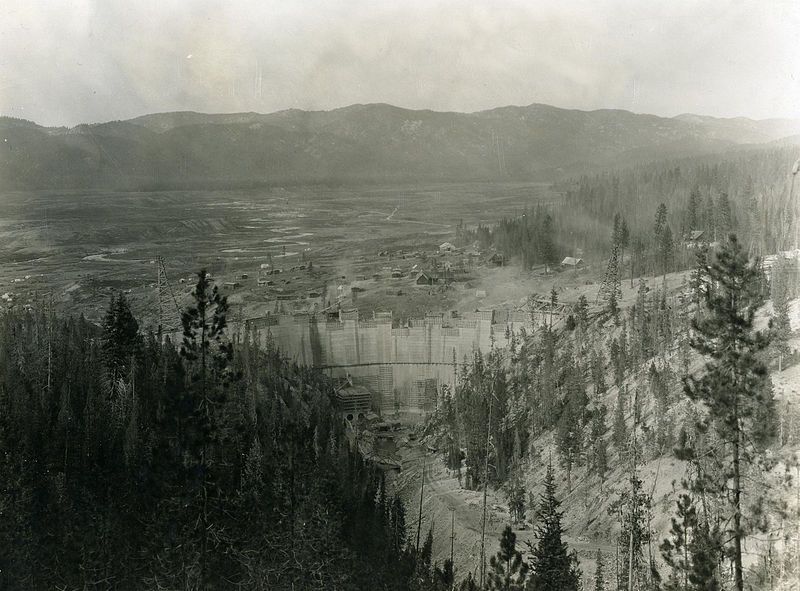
(446, 505)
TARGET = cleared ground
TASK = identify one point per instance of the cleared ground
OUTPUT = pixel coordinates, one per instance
(77, 247)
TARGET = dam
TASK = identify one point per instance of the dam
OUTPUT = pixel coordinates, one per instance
(405, 368)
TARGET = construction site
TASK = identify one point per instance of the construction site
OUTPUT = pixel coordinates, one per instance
(404, 367)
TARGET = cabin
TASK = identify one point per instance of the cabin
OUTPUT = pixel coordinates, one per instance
(231, 285)
(396, 273)
(426, 278)
(695, 239)
(446, 247)
(572, 262)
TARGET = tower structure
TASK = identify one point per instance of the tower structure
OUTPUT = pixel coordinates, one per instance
(169, 313)
(611, 281)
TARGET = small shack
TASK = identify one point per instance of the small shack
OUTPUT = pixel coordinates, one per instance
(572, 262)
(695, 239)
(446, 247)
(426, 278)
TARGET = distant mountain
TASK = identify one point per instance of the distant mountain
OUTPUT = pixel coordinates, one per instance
(359, 143)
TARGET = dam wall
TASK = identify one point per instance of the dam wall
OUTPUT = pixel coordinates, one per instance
(404, 367)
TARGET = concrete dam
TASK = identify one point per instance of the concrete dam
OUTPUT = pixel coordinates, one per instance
(403, 367)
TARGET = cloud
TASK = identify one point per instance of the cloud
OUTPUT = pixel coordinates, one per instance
(64, 62)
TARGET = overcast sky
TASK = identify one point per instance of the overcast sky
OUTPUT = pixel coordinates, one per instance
(68, 61)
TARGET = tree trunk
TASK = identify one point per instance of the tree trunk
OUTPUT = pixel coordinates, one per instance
(204, 458)
(737, 516)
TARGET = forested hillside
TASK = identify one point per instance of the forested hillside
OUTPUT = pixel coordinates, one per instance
(661, 422)
(131, 463)
(651, 210)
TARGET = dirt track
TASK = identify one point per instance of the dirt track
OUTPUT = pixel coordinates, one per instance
(443, 494)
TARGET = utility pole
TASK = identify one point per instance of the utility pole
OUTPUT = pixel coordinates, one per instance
(633, 490)
(797, 533)
(452, 532)
(452, 544)
(421, 491)
(795, 170)
(485, 491)
(49, 343)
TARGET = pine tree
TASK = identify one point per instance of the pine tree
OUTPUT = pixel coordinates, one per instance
(569, 436)
(397, 523)
(515, 493)
(444, 577)
(698, 278)
(631, 509)
(582, 314)
(507, 569)
(724, 214)
(620, 430)
(624, 242)
(553, 302)
(661, 221)
(733, 384)
(658, 233)
(553, 568)
(676, 549)
(693, 210)
(693, 552)
(547, 245)
(613, 304)
(598, 370)
(706, 549)
(207, 351)
(599, 573)
(424, 575)
(779, 323)
(710, 218)
(468, 584)
(618, 362)
(666, 249)
(599, 451)
(121, 338)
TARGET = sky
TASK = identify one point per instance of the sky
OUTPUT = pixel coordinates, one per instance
(63, 62)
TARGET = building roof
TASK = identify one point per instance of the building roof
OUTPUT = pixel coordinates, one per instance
(572, 261)
(696, 234)
(446, 246)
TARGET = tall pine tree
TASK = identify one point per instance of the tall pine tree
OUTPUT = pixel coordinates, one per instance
(733, 386)
(507, 570)
(553, 567)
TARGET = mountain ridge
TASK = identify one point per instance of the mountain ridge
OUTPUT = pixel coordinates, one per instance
(374, 142)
